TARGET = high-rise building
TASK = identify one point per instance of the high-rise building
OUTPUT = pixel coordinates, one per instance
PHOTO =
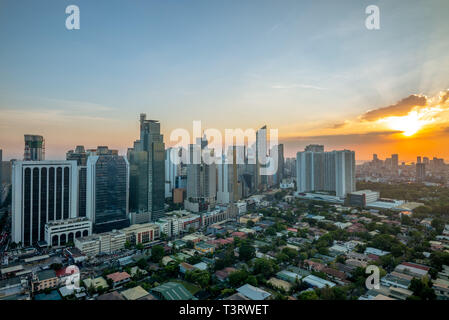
(332, 171)
(107, 191)
(279, 174)
(314, 148)
(147, 163)
(42, 191)
(394, 162)
(420, 172)
(171, 170)
(418, 159)
(80, 156)
(34, 148)
(230, 175)
(261, 157)
(201, 178)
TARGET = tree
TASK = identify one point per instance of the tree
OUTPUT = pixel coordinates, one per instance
(422, 289)
(265, 267)
(142, 263)
(238, 278)
(250, 223)
(247, 252)
(157, 253)
(308, 295)
(200, 277)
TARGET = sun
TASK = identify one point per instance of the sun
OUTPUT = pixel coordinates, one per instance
(409, 124)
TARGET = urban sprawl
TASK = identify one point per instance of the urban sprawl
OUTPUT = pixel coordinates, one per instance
(145, 226)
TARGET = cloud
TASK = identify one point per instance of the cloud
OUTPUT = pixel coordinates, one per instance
(338, 125)
(399, 109)
(444, 96)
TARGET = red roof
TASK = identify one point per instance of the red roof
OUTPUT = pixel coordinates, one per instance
(417, 266)
(118, 276)
(65, 272)
(238, 234)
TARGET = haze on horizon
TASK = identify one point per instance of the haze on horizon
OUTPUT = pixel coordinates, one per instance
(308, 68)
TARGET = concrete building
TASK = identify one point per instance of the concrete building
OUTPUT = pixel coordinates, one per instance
(80, 156)
(142, 233)
(172, 161)
(332, 171)
(107, 242)
(177, 222)
(362, 198)
(34, 148)
(42, 191)
(201, 179)
(59, 233)
(420, 172)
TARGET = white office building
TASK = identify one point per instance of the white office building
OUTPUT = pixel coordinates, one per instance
(42, 191)
(332, 171)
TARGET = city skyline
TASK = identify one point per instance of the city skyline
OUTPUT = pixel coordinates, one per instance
(313, 71)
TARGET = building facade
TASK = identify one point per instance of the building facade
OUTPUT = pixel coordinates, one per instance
(147, 162)
(34, 148)
(332, 171)
(43, 191)
(107, 192)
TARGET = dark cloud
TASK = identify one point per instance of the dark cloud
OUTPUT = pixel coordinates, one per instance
(401, 108)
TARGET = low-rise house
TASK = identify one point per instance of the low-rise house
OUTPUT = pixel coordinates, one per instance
(119, 278)
(375, 252)
(135, 293)
(184, 267)
(441, 288)
(393, 281)
(253, 293)
(413, 269)
(114, 295)
(97, 283)
(223, 274)
(44, 280)
(280, 284)
(172, 291)
(289, 276)
(317, 282)
(313, 266)
(204, 247)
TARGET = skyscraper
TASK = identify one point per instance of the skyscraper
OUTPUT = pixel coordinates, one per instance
(147, 163)
(34, 148)
(107, 191)
(42, 191)
(201, 178)
(420, 172)
(279, 175)
(80, 156)
(261, 157)
(394, 162)
(230, 175)
(332, 171)
(171, 170)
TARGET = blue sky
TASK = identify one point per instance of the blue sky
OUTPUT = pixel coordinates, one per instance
(295, 65)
